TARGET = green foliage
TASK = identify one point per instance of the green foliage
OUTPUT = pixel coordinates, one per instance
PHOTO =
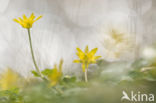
(69, 79)
(35, 73)
(11, 96)
(142, 69)
(47, 72)
(103, 86)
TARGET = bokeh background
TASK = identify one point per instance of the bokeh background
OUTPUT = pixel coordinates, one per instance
(67, 24)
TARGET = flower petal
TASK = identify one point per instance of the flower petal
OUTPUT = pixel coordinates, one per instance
(76, 61)
(24, 17)
(93, 51)
(20, 19)
(38, 18)
(97, 57)
(80, 53)
(32, 16)
(86, 49)
(16, 20)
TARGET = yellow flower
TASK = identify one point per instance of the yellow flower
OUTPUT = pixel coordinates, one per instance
(9, 80)
(56, 74)
(87, 57)
(27, 22)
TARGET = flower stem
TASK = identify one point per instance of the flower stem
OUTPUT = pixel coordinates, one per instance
(32, 54)
(85, 73)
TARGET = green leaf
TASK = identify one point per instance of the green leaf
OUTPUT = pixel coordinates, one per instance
(46, 72)
(69, 79)
(35, 73)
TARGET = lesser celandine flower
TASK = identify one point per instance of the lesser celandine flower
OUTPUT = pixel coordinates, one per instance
(85, 58)
(56, 74)
(27, 24)
(9, 79)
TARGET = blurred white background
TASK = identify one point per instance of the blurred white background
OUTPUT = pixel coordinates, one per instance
(67, 24)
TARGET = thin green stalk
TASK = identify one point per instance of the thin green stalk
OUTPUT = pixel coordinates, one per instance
(32, 54)
(85, 73)
(58, 90)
